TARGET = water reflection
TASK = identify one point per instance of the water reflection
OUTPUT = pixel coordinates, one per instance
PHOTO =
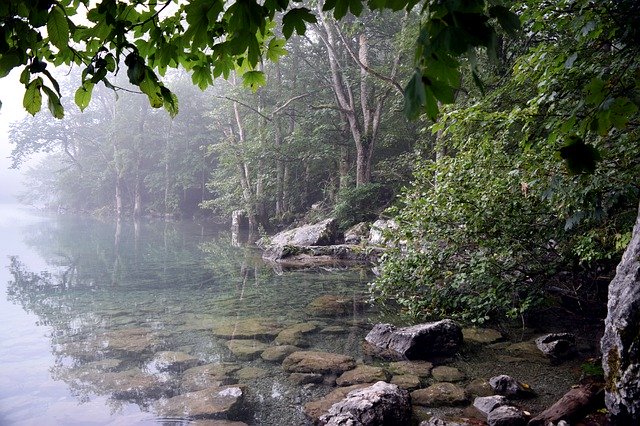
(145, 313)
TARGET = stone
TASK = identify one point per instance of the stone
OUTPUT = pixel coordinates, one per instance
(246, 349)
(444, 373)
(333, 329)
(438, 395)
(173, 361)
(418, 368)
(108, 364)
(620, 343)
(558, 346)
(406, 381)
(481, 335)
(305, 378)
(130, 341)
(379, 404)
(526, 350)
(218, 402)
(362, 374)
(317, 362)
(129, 384)
(510, 387)
(441, 338)
(357, 233)
(208, 376)
(378, 230)
(333, 306)
(317, 234)
(206, 422)
(486, 404)
(314, 409)
(278, 353)
(479, 387)
(250, 373)
(247, 328)
(437, 421)
(506, 416)
(295, 335)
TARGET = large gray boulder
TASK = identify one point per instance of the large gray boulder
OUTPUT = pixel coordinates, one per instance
(377, 405)
(620, 343)
(378, 231)
(557, 346)
(422, 341)
(317, 234)
(357, 233)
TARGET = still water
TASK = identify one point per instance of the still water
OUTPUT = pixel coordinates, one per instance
(88, 307)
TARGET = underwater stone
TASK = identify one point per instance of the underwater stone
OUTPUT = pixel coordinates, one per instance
(278, 353)
(317, 362)
(174, 361)
(246, 349)
(219, 402)
(208, 376)
(447, 374)
(418, 368)
(362, 374)
(439, 394)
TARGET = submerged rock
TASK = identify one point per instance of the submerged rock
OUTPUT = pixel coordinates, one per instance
(250, 373)
(362, 374)
(479, 387)
(278, 353)
(333, 306)
(379, 404)
(406, 381)
(218, 402)
(174, 361)
(208, 376)
(510, 387)
(131, 341)
(246, 349)
(444, 373)
(247, 328)
(558, 346)
(317, 362)
(305, 378)
(439, 394)
(419, 341)
(481, 335)
(130, 384)
(295, 335)
(417, 368)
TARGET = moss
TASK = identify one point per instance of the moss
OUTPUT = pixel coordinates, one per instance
(613, 363)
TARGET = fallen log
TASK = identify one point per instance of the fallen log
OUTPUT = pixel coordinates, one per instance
(573, 405)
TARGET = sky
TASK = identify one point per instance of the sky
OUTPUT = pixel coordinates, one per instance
(11, 92)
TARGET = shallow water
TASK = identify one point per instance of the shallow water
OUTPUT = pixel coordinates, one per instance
(88, 305)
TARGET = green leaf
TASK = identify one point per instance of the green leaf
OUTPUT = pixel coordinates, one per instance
(8, 62)
(276, 49)
(253, 80)
(53, 102)
(83, 95)
(32, 100)
(170, 101)
(414, 96)
(58, 28)
(341, 7)
(295, 19)
(508, 20)
(151, 87)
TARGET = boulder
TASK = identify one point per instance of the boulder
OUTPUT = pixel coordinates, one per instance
(314, 409)
(317, 362)
(438, 395)
(510, 387)
(247, 328)
(317, 234)
(305, 378)
(406, 381)
(418, 368)
(378, 229)
(173, 361)
(362, 374)
(437, 421)
(129, 341)
(208, 376)
(479, 387)
(219, 402)
(379, 404)
(295, 335)
(246, 349)
(278, 353)
(486, 404)
(506, 416)
(250, 373)
(357, 233)
(333, 305)
(132, 384)
(441, 338)
(557, 346)
(481, 335)
(447, 374)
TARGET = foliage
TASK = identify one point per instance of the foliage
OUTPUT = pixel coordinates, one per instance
(360, 204)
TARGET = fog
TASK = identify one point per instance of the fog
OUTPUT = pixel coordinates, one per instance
(10, 94)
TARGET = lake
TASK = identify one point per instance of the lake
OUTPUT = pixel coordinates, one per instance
(84, 300)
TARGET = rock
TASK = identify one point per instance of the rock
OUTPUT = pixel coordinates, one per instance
(527, 350)
(362, 374)
(558, 346)
(317, 362)
(378, 229)
(296, 257)
(510, 387)
(333, 329)
(216, 423)
(109, 364)
(173, 361)
(130, 384)
(318, 234)
(333, 306)
(406, 381)
(419, 341)
(437, 421)
(417, 368)
(305, 378)
(379, 404)
(250, 373)
(219, 402)
(357, 233)
(447, 374)
(130, 341)
(439, 394)
(315, 409)
(294, 335)
(486, 404)
(245, 349)
(620, 345)
(208, 376)
(278, 353)
(506, 416)
(248, 328)
(481, 335)
(479, 387)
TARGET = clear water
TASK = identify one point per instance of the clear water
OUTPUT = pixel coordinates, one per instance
(71, 284)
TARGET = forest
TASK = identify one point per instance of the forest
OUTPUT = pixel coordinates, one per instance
(502, 139)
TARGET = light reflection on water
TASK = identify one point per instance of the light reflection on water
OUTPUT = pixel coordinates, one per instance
(87, 305)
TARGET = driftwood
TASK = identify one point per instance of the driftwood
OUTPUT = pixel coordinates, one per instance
(573, 405)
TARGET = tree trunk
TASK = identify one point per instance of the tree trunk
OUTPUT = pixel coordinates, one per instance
(621, 341)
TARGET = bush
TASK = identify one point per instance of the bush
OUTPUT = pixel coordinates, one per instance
(360, 204)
